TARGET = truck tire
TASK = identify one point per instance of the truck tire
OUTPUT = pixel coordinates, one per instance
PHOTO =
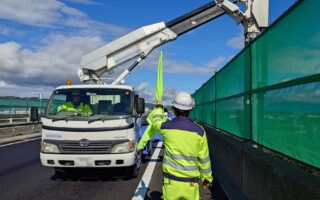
(132, 172)
(61, 173)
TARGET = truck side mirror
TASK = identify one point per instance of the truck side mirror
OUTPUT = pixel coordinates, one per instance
(140, 107)
(136, 97)
(34, 115)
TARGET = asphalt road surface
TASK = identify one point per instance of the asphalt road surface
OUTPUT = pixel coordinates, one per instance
(23, 177)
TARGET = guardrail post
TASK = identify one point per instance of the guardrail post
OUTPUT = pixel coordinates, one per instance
(10, 120)
(14, 132)
(28, 119)
(33, 128)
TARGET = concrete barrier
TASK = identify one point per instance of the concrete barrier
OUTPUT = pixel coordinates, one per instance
(245, 172)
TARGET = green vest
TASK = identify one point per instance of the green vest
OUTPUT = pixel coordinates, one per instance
(81, 109)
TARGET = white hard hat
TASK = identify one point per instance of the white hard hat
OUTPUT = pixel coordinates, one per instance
(183, 101)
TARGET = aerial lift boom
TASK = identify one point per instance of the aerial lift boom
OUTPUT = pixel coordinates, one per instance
(141, 42)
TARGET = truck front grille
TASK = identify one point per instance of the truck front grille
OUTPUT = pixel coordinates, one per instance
(92, 148)
(85, 146)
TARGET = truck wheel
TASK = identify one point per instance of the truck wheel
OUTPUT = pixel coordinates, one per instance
(61, 173)
(132, 171)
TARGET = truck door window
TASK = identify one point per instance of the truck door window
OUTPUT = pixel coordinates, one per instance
(58, 99)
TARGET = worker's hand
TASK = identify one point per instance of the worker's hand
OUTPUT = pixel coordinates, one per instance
(138, 150)
(205, 184)
(159, 103)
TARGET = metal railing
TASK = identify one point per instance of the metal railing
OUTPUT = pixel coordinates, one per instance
(14, 120)
(17, 121)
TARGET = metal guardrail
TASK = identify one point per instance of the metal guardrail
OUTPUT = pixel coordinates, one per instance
(14, 127)
(15, 121)
(34, 130)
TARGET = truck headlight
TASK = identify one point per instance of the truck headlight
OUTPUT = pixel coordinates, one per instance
(49, 148)
(123, 147)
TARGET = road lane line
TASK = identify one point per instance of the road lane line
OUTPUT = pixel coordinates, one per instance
(20, 142)
(142, 188)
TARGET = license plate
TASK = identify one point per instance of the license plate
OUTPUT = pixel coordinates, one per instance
(84, 162)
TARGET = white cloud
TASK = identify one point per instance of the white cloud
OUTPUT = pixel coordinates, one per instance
(9, 31)
(5, 30)
(52, 13)
(150, 94)
(33, 12)
(236, 42)
(51, 64)
(146, 93)
(58, 60)
(2, 84)
(169, 94)
(142, 86)
(216, 63)
(24, 91)
(87, 2)
(181, 66)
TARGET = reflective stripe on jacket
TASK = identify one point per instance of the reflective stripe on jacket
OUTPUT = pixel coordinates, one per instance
(186, 147)
(81, 109)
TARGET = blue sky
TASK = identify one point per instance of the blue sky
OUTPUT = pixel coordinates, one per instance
(42, 41)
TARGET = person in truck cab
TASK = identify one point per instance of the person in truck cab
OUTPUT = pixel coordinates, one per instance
(76, 105)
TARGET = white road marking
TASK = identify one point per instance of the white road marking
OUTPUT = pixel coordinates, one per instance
(142, 188)
(19, 142)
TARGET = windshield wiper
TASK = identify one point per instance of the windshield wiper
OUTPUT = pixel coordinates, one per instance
(62, 118)
(108, 118)
(97, 119)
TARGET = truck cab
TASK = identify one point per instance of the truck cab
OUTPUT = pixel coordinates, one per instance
(104, 135)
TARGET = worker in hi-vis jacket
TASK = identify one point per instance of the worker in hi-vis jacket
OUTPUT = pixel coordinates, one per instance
(76, 105)
(186, 158)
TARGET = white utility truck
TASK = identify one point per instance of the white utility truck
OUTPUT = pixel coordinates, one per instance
(105, 133)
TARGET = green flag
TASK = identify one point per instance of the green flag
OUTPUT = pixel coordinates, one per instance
(159, 88)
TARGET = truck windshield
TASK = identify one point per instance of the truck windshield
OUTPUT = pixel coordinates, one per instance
(90, 104)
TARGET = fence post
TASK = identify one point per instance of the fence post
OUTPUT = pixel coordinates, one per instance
(27, 108)
(34, 128)
(10, 105)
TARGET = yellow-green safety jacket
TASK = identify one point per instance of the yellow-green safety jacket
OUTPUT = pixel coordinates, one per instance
(186, 155)
(146, 135)
(81, 109)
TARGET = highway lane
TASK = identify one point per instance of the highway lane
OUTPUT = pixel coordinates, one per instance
(23, 177)
(38, 182)
(19, 155)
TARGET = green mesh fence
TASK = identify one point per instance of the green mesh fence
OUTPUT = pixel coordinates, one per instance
(270, 92)
(208, 115)
(234, 78)
(232, 116)
(11, 105)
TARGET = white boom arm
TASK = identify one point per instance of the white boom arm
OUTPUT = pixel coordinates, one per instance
(254, 19)
(141, 42)
(138, 43)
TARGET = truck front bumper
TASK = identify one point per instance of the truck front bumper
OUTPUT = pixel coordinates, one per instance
(88, 160)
